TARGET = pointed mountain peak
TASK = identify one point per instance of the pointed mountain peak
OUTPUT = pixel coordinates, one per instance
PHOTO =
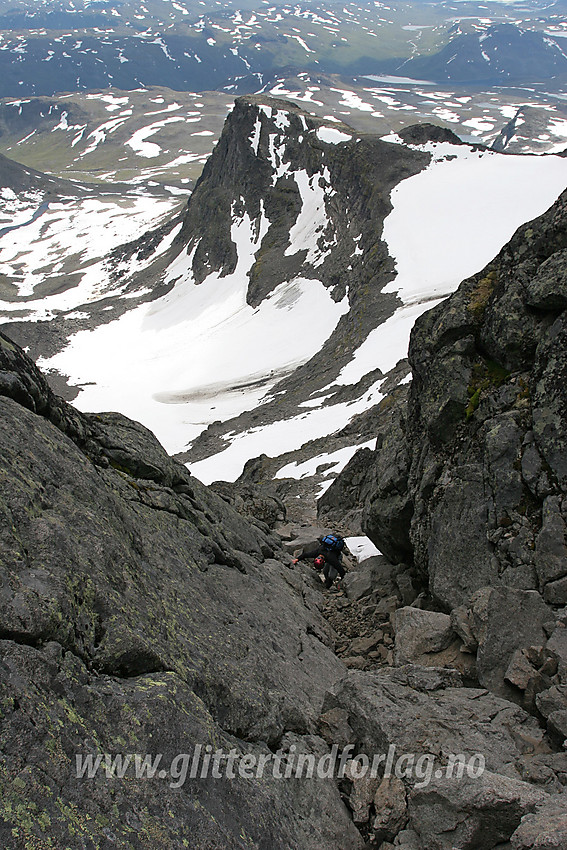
(294, 182)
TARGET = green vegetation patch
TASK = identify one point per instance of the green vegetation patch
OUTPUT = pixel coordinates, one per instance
(481, 294)
(486, 375)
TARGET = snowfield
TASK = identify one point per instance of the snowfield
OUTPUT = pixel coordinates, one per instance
(201, 354)
(450, 220)
(447, 222)
(17, 210)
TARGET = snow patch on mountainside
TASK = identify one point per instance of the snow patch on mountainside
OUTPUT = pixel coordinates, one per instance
(16, 210)
(68, 245)
(281, 437)
(334, 463)
(337, 460)
(451, 219)
(361, 548)
(200, 353)
(447, 223)
(312, 220)
(146, 149)
(385, 345)
(332, 136)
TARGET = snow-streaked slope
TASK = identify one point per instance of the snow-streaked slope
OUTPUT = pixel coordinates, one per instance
(447, 223)
(337, 460)
(333, 464)
(384, 346)
(65, 250)
(283, 436)
(200, 353)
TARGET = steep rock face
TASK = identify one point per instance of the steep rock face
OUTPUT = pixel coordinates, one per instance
(468, 481)
(274, 160)
(477, 460)
(364, 482)
(140, 613)
(484, 415)
(314, 198)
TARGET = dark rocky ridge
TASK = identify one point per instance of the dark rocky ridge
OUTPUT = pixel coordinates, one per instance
(360, 173)
(420, 134)
(468, 482)
(138, 611)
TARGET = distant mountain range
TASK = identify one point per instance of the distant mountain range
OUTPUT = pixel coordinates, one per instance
(68, 46)
(502, 54)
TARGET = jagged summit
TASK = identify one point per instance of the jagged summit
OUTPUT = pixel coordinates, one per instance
(304, 184)
(280, 252)
(261, 99)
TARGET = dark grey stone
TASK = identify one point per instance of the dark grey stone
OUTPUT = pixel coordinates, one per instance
(505, 620)
(547, 290)
(471, 814)
(139, 613)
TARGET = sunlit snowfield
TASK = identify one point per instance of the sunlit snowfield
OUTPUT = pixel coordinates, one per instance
(193, 356)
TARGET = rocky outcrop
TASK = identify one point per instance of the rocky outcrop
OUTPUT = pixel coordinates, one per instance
(461, 756)
(140, 613)
(545, 829)
(420, 134)
(472, 816)
(377, 495)
(421, 635)
(483, 414)
(469, 479)
(468, 489)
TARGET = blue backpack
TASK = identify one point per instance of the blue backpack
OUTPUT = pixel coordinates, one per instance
(333, 541)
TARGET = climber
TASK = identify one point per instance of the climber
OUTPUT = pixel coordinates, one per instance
(329, 548)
